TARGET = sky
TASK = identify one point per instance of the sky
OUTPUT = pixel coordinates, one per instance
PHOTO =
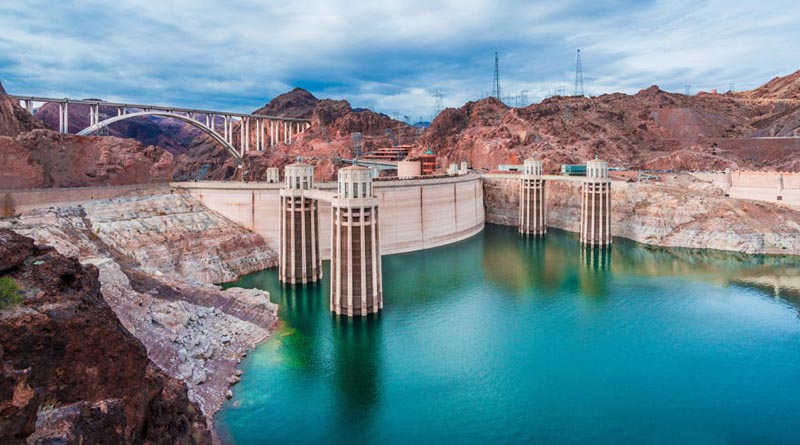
(389, 56)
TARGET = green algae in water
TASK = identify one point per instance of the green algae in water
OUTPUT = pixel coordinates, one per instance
(503, 339)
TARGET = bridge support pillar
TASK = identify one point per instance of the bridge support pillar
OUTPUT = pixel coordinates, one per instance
(246, 140)
(259, 134)
(596, 205)
(61, 116)
(300, 261)
(532, 205)
(356, 279)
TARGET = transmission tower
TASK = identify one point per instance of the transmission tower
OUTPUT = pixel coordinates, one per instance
(439, 104)
(496, 87)
(578, 76)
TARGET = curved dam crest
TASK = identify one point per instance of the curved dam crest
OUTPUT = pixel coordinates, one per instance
(414, 214)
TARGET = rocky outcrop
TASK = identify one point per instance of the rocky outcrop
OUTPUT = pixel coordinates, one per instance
(787, 87)
(688, 213)
(70, 372)
(176, 234)
(172, 135)
(14, 119)
(635, 131)
(298, 104)
(44, 158)
(157, 256)
(333, 125)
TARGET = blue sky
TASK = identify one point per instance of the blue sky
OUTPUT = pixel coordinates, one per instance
(389, 56)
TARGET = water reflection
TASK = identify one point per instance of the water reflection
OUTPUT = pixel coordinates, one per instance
(517, 264)
(498, 327)
(594, 271)
(357, 361)
(420, 278)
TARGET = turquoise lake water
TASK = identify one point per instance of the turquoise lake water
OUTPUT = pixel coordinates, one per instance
(502, 339)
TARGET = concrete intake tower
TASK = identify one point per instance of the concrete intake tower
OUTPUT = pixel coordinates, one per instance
(596, 205)
(300, 261)
(356, 279)
(531, 199)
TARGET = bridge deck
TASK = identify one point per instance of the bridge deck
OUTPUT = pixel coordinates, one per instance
(154, 107)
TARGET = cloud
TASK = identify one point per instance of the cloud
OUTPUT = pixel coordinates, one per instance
(389, 56)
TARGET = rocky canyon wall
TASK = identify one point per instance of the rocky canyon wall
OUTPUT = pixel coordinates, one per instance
(156, 256)
(69, 371)
(690, 214)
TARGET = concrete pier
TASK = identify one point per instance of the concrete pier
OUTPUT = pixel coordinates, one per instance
(532, 220)
(300, 261)
(356, 281)
(596, 205)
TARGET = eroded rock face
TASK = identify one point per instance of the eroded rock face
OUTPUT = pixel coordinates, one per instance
(156, 256)
(71, 373)
(690, 213)
(650, 129)
(14, 119)
(333, 122)
(44, 158)
(174, 233)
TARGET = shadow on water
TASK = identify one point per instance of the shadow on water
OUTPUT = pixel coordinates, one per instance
(357, 367)
(422, 277)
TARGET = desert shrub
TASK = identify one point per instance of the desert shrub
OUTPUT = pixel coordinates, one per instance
(9, 293)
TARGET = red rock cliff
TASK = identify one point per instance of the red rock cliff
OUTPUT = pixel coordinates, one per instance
(69, 371)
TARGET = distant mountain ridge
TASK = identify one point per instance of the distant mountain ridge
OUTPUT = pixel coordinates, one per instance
(651, 129)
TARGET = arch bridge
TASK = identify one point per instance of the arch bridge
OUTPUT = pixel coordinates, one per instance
(262, 130)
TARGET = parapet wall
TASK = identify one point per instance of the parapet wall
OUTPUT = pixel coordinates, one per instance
(14, 202)
(414, 214)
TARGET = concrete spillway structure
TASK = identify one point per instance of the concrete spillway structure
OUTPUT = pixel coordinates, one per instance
(300, 261)
(356, 281)
(596, 205)
(531, 199)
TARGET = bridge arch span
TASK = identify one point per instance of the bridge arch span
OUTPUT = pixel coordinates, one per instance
(214, 135)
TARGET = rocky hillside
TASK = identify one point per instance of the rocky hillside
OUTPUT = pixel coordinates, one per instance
(172, 135)
(652, 129)
(784, 88)
(157, 256)
(333, 126)
(34, 157)
(70, 372)
(14, 119)
(45, 158)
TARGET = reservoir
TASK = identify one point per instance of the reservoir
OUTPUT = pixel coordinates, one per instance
(505, 339)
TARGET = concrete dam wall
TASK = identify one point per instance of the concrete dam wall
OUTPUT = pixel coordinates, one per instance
(414, 214)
